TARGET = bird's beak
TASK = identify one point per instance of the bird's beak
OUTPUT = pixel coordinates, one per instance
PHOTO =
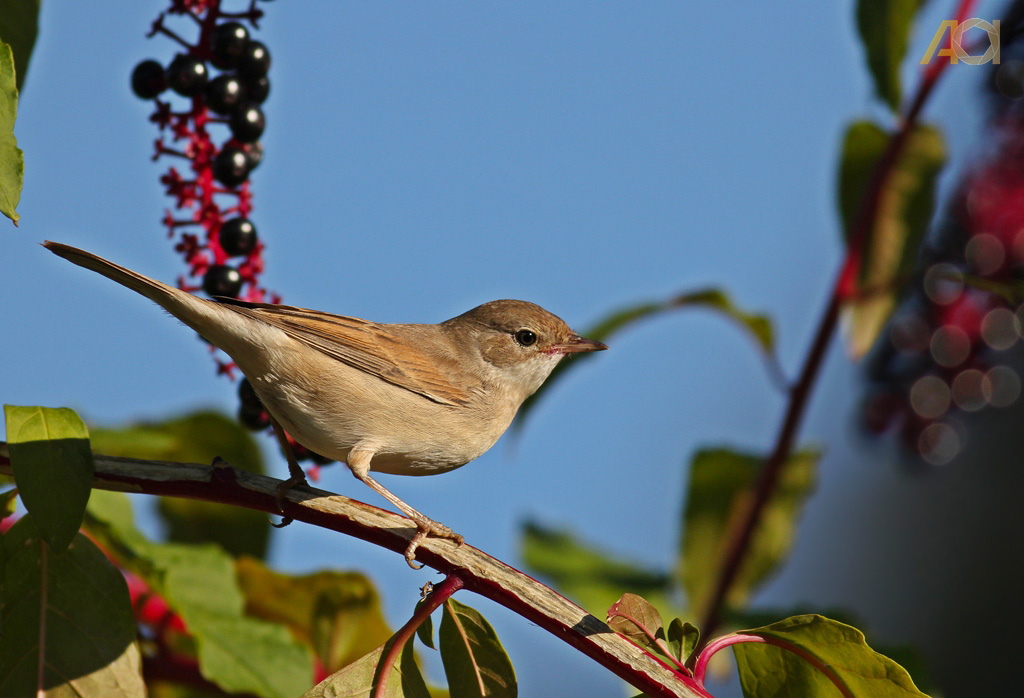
(577, 345)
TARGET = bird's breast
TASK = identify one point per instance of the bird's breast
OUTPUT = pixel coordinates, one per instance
(329, 407)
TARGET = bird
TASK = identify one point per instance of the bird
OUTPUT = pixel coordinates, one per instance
(406, 399)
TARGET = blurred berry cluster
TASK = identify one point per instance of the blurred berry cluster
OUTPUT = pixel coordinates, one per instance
(952, 346)
(214, 125)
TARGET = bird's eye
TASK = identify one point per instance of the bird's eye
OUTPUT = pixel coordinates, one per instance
(526, 337)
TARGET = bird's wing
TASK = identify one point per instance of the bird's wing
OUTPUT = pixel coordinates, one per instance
(377, 349)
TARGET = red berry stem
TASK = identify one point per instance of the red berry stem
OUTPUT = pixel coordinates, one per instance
(215, 126)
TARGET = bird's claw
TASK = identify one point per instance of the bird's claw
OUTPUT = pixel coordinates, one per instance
(428, 527)
(281, 490)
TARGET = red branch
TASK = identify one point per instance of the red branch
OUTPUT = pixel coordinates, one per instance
(479, 572)
(844, 288)
(440, 593)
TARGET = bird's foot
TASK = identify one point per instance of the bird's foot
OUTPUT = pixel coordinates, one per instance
(296, 479)
(428, 527)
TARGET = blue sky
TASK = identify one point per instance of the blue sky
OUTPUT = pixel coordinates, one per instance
(423, 158)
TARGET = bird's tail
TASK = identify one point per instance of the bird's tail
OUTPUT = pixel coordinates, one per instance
(201, 315)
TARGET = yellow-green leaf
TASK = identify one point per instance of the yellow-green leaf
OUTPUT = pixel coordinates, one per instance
(338, 614)
(591, 577)
(12, 160)
(890, 250)
(475, 663)
(359, 679)
(53, 468)
(721, 487)
(767, 670)
(884, 27)
(682, 638)
(238, 652)
(425, 630)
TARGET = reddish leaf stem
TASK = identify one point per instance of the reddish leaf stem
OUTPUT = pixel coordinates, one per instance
(720, 643)
(440, 593)
(844, 288)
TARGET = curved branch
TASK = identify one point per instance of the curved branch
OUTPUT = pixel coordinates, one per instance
(441, 593)
(480, 572)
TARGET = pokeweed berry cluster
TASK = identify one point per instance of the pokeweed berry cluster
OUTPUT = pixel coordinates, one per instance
(214, 124)
(950, 350)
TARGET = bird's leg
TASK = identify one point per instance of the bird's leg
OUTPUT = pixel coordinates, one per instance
(359, 464)
(295, 474)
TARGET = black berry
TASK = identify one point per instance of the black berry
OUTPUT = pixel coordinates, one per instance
(228, 42)
(318, 459)
(247, 123)
(186, 75)
(253, 418)
(238, 237)
(257, 89)
(222, 280)
(255, 152)
(247, 395)
(224, 93)
(231, 166)
(148, 79)
(254, 61)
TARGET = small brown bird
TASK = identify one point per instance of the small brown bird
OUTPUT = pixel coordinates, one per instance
(393, 398)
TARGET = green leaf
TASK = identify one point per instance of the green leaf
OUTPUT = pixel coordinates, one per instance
(758, 326)
(338, 614)
(8, 502)
(591, 577)
(636, 619)
(475, 663)
(53, 468)
(768, 670)
(884, 27)
(19, 26)
(358, 679)
(12, 160)
(109, 518)
(721, 487)
(239, 653)
(197, 438)
(682, 638)
(425, 630)
(89, 647)
(904, 211)
(245, 655)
